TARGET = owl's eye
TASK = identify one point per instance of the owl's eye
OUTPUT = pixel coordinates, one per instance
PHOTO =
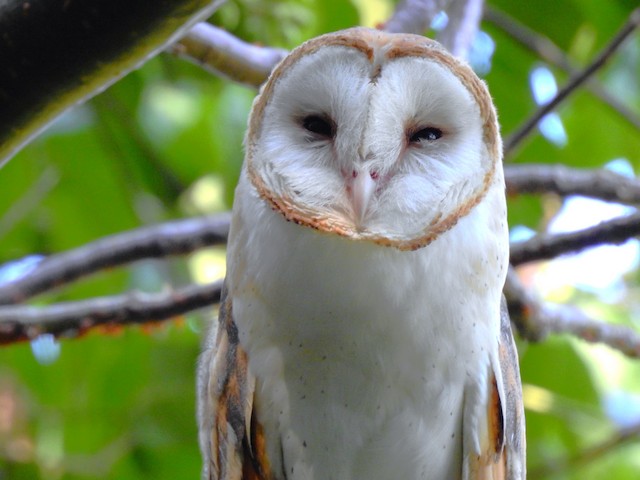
(319, 125)
(429, 134)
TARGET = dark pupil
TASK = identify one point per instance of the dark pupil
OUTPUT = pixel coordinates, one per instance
(319, 125)
(429, 134)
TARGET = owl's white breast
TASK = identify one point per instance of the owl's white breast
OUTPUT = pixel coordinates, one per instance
(362, 353)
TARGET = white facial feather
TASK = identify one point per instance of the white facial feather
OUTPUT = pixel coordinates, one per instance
(374, 109)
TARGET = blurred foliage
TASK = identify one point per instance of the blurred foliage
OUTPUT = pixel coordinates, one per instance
(166, 142)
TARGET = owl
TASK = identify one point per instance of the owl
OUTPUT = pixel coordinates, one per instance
(360, 333)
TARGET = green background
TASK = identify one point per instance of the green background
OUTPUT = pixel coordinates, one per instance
(166, 142)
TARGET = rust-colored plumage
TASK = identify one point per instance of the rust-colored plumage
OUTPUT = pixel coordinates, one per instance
(235, 438)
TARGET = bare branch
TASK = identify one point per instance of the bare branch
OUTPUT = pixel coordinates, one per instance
(539, 44)
(162, 240)
(223, 54)
(552, 54)
(535, 320)
(522, 132)
(544, 246)
(414, 16)
(189, 235)
(565, 181)
(71, 319)
(463, 25)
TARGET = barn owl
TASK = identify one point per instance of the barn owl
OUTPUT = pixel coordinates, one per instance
(360, 333)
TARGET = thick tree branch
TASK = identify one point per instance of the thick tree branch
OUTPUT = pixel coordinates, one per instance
(71, 319)
(223, 54)
(162, 240)
(552, 54)
(545, 246)
(56, 54)
(523, 131)
(565, 181)
(536, 320)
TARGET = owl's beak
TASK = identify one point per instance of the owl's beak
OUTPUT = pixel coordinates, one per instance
(362, 188)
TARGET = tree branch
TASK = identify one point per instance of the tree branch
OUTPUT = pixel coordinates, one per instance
(565, 181)
(463, 25)
(162, 240)
(535, 320)
(223, 54)
(550, 53)
(57, 54)
(522, 132)
(414, 16)
(72, 319)
(544, 246)
(185, 236)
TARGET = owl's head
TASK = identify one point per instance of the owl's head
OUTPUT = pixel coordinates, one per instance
(374, 136)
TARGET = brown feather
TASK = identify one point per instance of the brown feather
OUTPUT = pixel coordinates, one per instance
(490, 464)
(503, 448)
(236, 447)
(514, 427)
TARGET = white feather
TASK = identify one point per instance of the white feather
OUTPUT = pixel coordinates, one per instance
(365, 355)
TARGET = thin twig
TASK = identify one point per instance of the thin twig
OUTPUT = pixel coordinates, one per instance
(29, 201)
(552, 54)
(522, 132)
(71, 319)
(546, 246)
(162, 240)
(539, 44)
(113, 116)
(223, 54)
(535, 320)
(565, 181)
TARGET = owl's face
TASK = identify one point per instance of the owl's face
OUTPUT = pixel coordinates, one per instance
(374, 136)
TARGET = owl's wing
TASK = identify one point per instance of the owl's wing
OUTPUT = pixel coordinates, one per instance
(500, 427)
(230, 438)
